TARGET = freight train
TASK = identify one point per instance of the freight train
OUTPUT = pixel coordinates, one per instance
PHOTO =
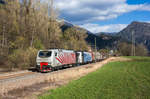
(53, 59)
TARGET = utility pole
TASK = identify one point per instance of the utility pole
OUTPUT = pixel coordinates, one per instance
(95, 49)
(133, 44)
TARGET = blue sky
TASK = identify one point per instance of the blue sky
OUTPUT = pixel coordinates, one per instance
(104, 15)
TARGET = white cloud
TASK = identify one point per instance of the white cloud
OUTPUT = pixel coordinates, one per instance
(95, 28)
(145, 7)
(85, 11)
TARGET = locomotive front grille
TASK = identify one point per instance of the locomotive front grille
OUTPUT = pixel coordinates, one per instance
(45, 67)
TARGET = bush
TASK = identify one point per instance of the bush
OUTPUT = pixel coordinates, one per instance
(141, 50)
(22, 59)
(125, 49)
(38, 44)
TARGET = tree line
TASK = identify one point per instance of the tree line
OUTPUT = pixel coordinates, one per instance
(125, 49)
(29, 25)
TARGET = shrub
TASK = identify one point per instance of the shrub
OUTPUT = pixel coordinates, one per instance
(38, 44)
(125, 49)
(141, 50)
(22, 59)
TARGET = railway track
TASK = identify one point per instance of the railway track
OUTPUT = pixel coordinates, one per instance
(23, 75)
(15, 76)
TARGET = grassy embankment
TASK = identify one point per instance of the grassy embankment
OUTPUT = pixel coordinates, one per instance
(116, 80)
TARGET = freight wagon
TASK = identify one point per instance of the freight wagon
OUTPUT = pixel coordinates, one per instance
(97, 56)
(87, 57)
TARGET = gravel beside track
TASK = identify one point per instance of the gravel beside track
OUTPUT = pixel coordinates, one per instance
(13, 73)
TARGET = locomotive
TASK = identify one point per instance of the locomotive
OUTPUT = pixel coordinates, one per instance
(52, 59)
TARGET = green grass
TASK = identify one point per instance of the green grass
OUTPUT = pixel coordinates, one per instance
(116, 80)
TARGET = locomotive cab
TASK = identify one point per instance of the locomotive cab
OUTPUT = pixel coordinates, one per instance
(44, 60)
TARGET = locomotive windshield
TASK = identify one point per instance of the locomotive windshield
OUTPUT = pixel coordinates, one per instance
(45, 54)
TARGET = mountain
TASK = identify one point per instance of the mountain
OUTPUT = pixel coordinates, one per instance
(102, 41)
(65, 25)
(109, 40)
(141, 31)
(105, 33)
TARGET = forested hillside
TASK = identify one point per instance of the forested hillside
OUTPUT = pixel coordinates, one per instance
(30, 25)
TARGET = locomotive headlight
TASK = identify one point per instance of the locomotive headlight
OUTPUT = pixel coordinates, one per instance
(38, 63)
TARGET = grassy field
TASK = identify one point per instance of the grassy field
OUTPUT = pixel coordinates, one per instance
(116, 80)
